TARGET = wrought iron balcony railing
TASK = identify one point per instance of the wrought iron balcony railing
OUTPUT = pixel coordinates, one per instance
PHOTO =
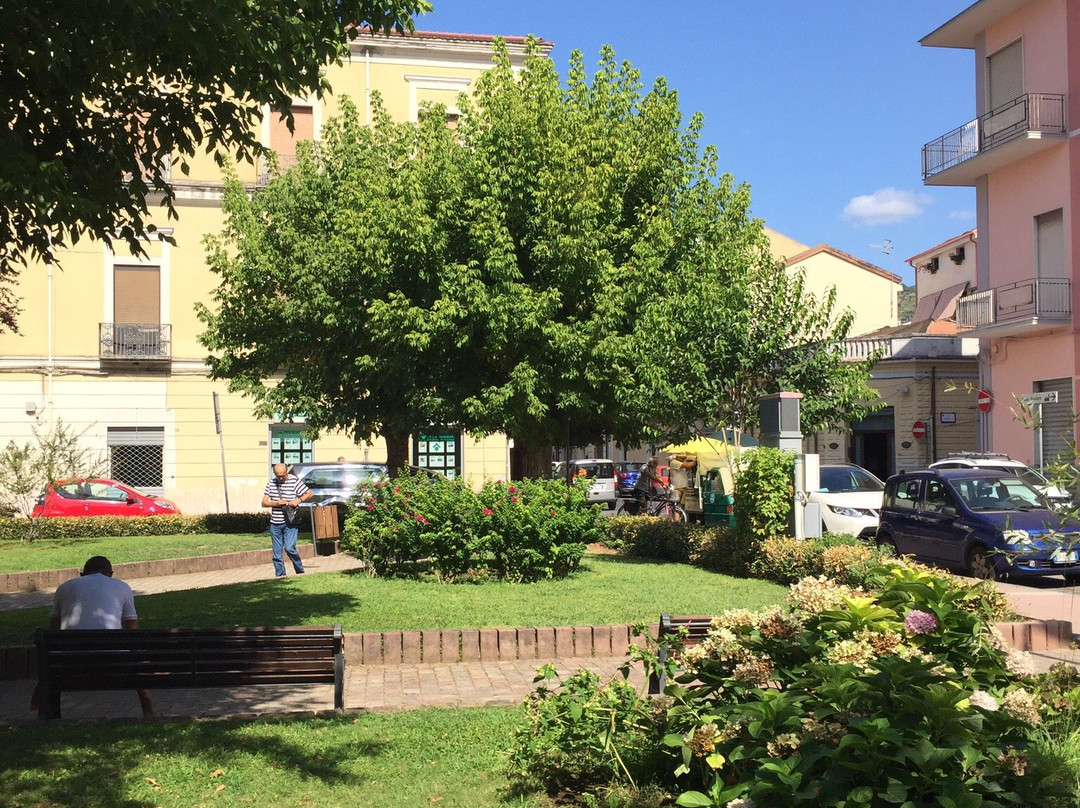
(1032, 299)
(1040, 113)
(134, 341)
(263, 168)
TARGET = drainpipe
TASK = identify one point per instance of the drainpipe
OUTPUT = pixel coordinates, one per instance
(933, 414)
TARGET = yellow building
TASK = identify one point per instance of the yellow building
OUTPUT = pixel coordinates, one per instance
(871, 292)
(108, 341)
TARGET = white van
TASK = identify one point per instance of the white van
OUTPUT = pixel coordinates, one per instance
(600, 471)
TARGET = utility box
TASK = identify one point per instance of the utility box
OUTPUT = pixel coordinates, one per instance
(779, 414)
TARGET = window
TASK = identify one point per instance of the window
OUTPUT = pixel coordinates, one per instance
(283, 141)
(136, 457)
(938, 498)
(1005, 75)
(1050, 245)
(136, 326)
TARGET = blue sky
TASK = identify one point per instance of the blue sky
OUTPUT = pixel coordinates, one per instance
(821, 106)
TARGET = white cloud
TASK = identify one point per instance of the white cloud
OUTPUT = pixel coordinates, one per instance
(962, 215)
(885, 206)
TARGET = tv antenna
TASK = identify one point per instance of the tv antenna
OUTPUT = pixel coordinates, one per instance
(885, 246)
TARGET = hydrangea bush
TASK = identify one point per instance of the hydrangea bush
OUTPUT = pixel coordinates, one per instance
(415, 525)
(894, 692)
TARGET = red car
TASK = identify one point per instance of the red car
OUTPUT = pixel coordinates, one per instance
(98, 497)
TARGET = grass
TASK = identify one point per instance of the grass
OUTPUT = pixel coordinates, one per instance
(421, 758)
(55, 554)
(607, 589)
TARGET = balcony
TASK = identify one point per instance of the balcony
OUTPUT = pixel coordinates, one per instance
(135, 341)
(1027, 307)
(1022, 127)
(920, 346)
(263, 168)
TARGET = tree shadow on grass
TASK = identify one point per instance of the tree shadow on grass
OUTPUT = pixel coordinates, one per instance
(259, 603)
(107, 764)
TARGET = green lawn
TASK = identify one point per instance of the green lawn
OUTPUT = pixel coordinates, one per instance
(55, 554)
(414, 759)
(607, 589)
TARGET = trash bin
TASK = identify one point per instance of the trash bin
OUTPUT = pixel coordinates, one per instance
(325, 529)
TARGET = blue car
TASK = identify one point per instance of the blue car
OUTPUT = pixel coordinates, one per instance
(988, 524)
(626, 474)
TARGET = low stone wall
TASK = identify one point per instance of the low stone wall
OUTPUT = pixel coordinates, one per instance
(445, 646)
(542, 644)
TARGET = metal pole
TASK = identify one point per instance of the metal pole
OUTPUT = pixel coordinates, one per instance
(221, 444)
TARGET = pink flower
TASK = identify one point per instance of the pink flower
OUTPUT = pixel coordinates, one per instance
(918, 622)
(488, 512)
(513, 499)
(511, 489)
(421, 519)
(397, 489)
(370, 507)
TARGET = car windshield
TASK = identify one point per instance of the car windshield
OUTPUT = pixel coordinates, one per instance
(836, 479)
(1005, 492)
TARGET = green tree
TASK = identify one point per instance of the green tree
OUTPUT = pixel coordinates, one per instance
(331, 301)
(105, 100)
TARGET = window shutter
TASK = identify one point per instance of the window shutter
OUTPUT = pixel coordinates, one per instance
(1005, 75)
(136, 294)
(1050, 245)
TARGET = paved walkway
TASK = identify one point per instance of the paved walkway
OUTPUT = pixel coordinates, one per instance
(399, 687)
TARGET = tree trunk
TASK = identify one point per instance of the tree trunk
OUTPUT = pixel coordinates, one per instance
(530, 462)
(397, 451)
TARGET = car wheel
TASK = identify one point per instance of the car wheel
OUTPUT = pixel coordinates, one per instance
(886, 544)
(981, 565)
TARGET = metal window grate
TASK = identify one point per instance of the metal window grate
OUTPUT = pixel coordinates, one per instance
(136, 457)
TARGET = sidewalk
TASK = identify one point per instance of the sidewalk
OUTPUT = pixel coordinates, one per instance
(387, 687)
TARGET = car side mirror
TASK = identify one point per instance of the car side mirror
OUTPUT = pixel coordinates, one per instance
(132, 501)
(949, 510)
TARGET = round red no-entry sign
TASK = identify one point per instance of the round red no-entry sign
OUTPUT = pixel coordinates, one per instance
(918, 430)
(983, 401)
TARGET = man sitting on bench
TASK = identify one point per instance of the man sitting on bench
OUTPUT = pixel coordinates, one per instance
(97, 600)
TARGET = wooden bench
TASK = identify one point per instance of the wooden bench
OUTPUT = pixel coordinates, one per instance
(132, 659)
(697, 628)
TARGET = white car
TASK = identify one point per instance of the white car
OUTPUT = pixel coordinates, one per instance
(850, 499)
(990, 461)
(603, 489)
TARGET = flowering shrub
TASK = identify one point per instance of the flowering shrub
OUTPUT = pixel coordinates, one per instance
(856, 697)
(524, 531)
(895, 691)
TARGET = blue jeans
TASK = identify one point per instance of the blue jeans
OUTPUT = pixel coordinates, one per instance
(283, 538)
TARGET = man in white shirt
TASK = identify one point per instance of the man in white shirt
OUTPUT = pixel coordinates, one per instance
(97, 600)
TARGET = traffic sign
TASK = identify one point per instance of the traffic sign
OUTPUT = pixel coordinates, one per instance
(1049, 397)
(918, 430)
(983, 401)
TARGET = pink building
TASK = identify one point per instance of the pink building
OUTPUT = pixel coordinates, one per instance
(1025, 167)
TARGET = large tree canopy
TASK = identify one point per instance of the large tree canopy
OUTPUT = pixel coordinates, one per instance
(568, 260)
(103, 97)
(332, 280)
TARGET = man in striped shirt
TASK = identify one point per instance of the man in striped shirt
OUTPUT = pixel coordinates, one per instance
(284, 489)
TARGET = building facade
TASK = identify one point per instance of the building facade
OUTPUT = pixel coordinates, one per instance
(109, 341)
(1022, 155)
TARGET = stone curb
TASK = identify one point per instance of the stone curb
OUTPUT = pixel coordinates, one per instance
(437, 646)
(14, 582)
(540, 644)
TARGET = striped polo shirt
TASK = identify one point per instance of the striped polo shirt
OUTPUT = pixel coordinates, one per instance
(288, 489)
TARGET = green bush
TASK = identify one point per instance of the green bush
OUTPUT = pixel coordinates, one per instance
(584, 735)
(899, 694)
(764, 492)
(93, 527)
(523, 531)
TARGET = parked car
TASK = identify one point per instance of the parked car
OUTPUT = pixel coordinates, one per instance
(335, 483)
(850, 499)
(992, 461)
(990, 524)
(626, 474)
(600, 471)
(98, 496)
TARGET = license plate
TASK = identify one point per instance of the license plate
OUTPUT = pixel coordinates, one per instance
(1067, 556)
